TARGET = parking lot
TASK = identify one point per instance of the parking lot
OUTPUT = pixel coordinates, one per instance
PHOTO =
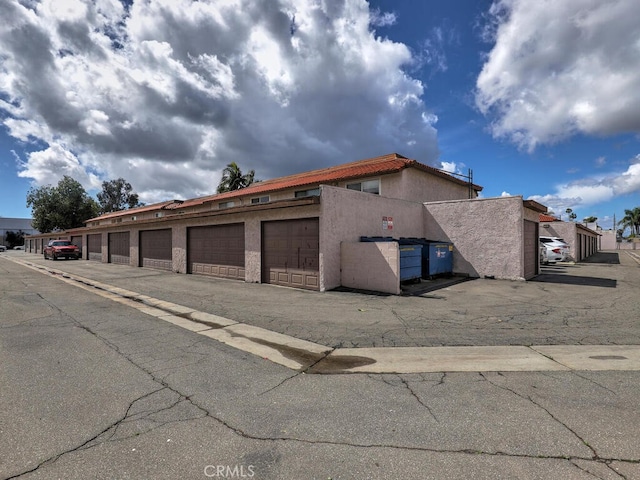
(593, 303)
(99, 381)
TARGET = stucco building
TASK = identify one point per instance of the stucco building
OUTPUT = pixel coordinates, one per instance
(290, 230)
(583, 241)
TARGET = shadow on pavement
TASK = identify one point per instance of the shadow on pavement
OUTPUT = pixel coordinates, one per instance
(411, 288)
(558, 277)
(603, 257)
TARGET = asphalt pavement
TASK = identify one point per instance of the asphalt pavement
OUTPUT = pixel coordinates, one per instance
(115, 372)
(572, 316)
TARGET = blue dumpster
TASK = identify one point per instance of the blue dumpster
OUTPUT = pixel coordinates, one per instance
(437, 257)
(410, 257)
(440, 258)
(410, 262)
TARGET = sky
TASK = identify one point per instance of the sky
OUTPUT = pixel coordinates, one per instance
(536, 98)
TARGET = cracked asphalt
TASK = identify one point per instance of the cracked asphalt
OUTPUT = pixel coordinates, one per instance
(91, 388)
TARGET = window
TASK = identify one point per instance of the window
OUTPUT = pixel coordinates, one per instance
(256, 200)
(159, 214)
(313, 192)
(134, 218)
(368, 186)
(222, 205)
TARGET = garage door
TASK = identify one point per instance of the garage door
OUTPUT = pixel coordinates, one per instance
(77, 241)
(155, 249)
(94, 247)
(291, 253)
(216, 250)
(119, 248)
(531, 249)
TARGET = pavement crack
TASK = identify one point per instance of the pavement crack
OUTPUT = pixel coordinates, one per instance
(540, 406)
(584, 470)
(549, 357)
(86, 443)
(301, 372)
(415, 395)
(594, 382)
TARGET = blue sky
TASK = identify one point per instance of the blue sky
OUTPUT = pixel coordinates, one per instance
(539, 99)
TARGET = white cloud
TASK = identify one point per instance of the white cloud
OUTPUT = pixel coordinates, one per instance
(181, 88)
(561, 68)
(592, 191)
(48, 166)
(457, 168)
(383, 19)
(450, 167)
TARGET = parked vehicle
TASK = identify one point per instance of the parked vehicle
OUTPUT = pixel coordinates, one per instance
(56, 249)
(553, 243)
(544, 258)
(3, 248)
(553, 254)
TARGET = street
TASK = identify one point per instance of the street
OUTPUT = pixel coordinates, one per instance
(93, 388)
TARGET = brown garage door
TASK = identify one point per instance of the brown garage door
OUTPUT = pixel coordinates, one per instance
(216, 250)
(291, 253)
(155, 249)
(531, 249)
(94, 247)
(77, 241)
(119, 248)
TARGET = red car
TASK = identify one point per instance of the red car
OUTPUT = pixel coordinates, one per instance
(56, 249)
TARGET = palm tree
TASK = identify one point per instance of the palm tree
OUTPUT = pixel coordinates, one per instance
(631, 219)
(233, 179)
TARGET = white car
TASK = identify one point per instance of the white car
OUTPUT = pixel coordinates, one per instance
(544, 259)
(557, 249)
(3, 248)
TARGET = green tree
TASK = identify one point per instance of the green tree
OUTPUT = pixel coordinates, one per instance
(590, 219)
(572, 216)
(117, 195)
(233, 179)
(14, 238)
(64, 206)
(631, 220)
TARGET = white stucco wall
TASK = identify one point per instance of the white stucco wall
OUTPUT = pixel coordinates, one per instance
(371, 266)
(487, 234)
(570, 231)
(418, 186)
(564, 230)
(346, 215)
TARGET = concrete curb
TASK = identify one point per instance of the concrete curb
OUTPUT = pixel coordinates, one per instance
(309, 357)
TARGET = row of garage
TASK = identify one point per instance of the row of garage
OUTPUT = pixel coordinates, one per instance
(299, 242)
(290, 250)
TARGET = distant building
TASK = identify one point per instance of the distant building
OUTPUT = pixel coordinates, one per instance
(15, 225)
(582, 240)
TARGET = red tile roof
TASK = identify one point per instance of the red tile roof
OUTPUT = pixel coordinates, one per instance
(385, 164)
(548, 218)
(133, 211)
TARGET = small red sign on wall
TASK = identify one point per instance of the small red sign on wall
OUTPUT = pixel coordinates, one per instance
(387, 223)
